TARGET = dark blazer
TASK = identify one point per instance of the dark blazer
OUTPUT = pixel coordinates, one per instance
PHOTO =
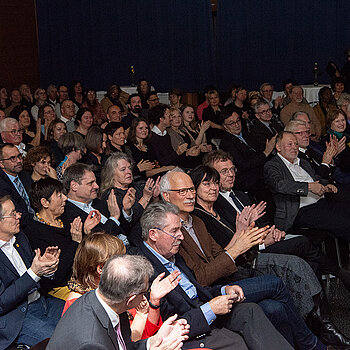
(177, 301)
(14, 291)
(286, 191)
(249, 163)
(211, 266)
(86, 325)
(315, 160)
(71, 211)
(7, 188)
(259, 133)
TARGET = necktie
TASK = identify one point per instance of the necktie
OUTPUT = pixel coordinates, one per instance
(22, 192)
(121, 343)
(236, 201)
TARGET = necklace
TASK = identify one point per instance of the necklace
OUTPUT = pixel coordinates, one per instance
(40, 219)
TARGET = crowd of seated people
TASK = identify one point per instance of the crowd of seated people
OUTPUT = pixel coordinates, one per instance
(222, 201)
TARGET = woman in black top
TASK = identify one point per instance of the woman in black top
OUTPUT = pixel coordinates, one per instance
(47, 229)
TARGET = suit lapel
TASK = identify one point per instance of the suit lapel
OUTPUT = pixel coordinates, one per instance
(103, 318)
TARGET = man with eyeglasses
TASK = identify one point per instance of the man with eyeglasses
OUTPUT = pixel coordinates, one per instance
(11, 133)
(216, 313)
(14, 181)
(26, 316)
(265, 127)
(266, 92)
(68, 114)
(248, 161)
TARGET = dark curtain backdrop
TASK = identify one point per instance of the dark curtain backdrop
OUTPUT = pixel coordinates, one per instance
(170, 42)
(269, 40)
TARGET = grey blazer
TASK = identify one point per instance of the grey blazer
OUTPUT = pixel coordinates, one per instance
(286, 191)
(86, 325)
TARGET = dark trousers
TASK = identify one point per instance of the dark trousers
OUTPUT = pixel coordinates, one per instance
(272, 296)
(327, 215)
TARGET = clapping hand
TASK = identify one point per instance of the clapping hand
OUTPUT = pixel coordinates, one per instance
(170, 335)
(113, 206)
(76, 229)
(129, 200)
(47, 263)
(92, 220)
(162, 286)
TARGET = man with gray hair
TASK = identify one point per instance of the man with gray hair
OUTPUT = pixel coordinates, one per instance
(205, 307)
(297, 105)
(265, 127)
(98, 319)
(11, 133)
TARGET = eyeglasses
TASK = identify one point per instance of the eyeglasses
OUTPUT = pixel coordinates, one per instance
(14, 158)
(183, 191)
(267, 90)
(154, 100)
(169, 234)
(265, 111)
(307, 132)
(237, 122)
(15, 131)
(226, 172)
(13, 214)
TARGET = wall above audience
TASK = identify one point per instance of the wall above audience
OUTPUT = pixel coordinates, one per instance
(18, 44)
(169, 42)
(175, 44)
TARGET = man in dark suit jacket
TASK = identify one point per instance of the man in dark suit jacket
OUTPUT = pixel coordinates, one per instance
(14, 181)
(299, 193)
(25, 316)
(79, 183)
(161, 228)
(98, 319)
(248, 161)
(265, 128)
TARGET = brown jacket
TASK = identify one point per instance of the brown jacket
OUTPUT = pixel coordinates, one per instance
(214, 265)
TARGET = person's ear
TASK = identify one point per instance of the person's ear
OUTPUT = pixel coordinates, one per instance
(152, 234)
(278, 148)
(166, 196)
(130, 300)
(99, 269)
(45, 203)
(74, 186)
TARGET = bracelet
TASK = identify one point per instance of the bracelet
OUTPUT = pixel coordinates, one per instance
(153, 306)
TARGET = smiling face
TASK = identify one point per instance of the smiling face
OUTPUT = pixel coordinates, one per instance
(114, 114)
(297, 95)
(208, 190)
(302, 133)
(267, 92)
(13, 134)
(227, 174)
(339, 123)
(123, 174)
(142, 130)
(49, 114)
(59, 130)
(12, 161)
(214, 99)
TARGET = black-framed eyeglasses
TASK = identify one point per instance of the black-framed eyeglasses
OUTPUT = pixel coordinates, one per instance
(15, 131)
(183, 191)
(14, 158)
(264, 111)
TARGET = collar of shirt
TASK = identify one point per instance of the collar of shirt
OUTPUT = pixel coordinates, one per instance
(302, 149)
(187, 226)
(288, 163)
(157, 131)
(226, 195)
(267, 124)
(7, 243)
(65, 120)
(82, 206)
(112, 315)
(161, 258)
(240, 136)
